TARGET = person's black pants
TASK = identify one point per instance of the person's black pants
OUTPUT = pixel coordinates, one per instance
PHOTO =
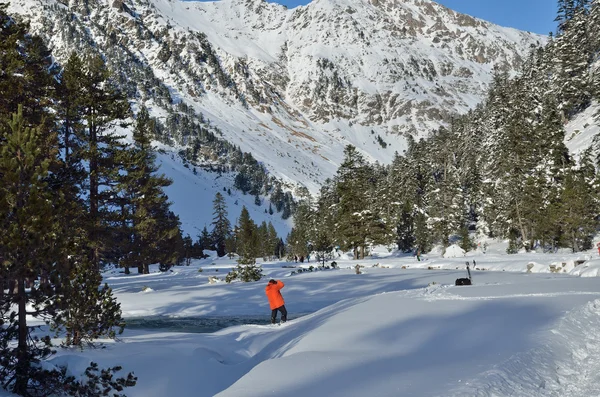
(283, 314)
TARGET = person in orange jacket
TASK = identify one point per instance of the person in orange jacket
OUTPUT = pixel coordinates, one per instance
(276, 302)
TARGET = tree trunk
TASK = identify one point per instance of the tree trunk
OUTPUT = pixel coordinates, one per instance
(76, 338)
(13, 287)
(22, 369)
(95, 255)
(520, 221)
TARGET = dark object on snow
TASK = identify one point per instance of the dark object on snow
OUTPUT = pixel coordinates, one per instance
(465, 281)
(163, 267)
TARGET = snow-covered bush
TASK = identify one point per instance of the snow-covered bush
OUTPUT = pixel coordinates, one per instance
(245, 273)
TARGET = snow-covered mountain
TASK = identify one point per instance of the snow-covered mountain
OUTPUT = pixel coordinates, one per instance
(293, 86)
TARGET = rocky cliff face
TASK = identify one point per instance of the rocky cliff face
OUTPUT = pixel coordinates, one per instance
(290, 86)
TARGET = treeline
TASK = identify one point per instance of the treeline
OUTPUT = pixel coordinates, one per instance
(246, 238)
(502, 170)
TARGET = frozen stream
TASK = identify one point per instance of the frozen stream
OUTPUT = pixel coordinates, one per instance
(198, 325)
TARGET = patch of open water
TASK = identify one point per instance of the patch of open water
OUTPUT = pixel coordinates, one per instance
(198, 324)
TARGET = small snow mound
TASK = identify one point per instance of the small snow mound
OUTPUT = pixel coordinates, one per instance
(454, 251)
(145, 290)
(564, 267)
(587, 269)
(534, 267)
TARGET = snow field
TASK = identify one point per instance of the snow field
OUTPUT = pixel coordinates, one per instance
(387, 332)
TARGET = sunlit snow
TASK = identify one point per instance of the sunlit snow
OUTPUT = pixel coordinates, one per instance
(401, 328)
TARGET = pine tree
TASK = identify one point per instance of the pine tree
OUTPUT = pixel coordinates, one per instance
(403, 194)
(566, 11)
(188, 247)
(297, 243)
(247, 237)
(277, 198)
(70, 111)
(381, 222)
(573, 56)
(420, 184)
(263, 240)
(102, 105)
(325, 215)
(221, 226)
(405, 229)
(71, 176)
(27, 77)
(280, 249)
(578, 207)
(205, 239)
(303, 224)
(272, 241)
(154, 229)
(31, 243)
(92, 311)
(353, 211)
(445, 200)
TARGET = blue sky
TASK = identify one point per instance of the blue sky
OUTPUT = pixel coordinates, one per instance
(532, 15)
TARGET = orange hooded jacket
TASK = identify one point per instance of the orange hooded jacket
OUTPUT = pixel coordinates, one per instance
(274, 295)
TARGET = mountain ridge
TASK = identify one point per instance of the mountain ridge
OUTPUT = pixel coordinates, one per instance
(291, 86)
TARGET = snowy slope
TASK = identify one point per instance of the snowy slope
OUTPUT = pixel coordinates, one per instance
(192, 197)
(294, 86)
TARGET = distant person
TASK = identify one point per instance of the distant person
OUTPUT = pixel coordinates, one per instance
(276, 302)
